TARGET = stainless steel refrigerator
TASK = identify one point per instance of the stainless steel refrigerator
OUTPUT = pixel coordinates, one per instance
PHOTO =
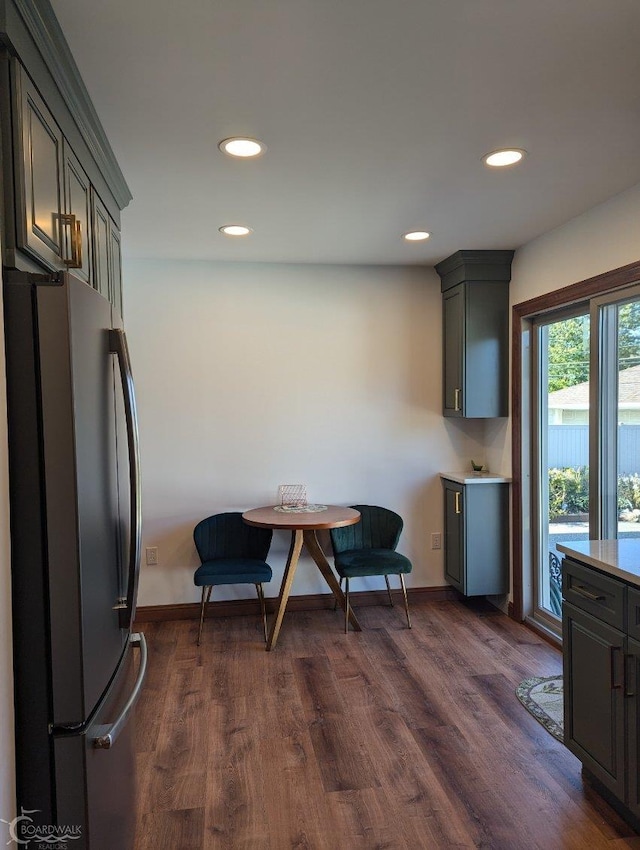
(75, 539)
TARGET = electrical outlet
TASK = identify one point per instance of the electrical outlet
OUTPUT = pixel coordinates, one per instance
(436, 540)
(152, 555)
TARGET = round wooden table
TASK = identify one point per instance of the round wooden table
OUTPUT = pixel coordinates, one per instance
(303, 527)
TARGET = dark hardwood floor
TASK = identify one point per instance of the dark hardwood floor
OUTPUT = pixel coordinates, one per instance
(383, 739)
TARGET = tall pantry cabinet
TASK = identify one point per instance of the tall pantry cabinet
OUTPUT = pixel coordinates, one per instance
(475, 311)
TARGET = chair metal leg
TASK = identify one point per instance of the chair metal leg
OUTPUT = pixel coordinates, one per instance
(406, 603)
(346, 607)
(205, 590)
(386, 578)
(335, 601)
(260, 590)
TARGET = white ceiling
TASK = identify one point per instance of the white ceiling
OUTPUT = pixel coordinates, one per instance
(376, 114)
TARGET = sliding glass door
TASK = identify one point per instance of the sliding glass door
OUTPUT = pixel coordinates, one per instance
(561, 354)
(617, 451)
(585, 442)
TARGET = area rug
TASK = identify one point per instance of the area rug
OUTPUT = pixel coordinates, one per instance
(543, 699)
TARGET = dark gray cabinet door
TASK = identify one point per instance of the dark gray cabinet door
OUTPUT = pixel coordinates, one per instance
(453, 307)
(454, 560)
(476, 537)
(476, 352)
(594, 710)
(632, 680)
(77, 203)
(38, 167)
(101, 246)
(115, 267)
(486, 350)
(107, 254)
(486, 525)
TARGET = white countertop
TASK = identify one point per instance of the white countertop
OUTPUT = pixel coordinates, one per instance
(619, 558)
(475, 477)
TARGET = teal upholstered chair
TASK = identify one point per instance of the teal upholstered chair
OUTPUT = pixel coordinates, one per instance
(368, 549)
(231, 552)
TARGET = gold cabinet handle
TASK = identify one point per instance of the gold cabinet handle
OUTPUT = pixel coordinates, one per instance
(456, 399)
(457, 507)
(75, 262)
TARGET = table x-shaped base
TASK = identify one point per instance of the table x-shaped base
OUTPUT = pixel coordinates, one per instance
(309, 539)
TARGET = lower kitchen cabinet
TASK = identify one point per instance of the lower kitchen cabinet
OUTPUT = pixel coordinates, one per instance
(632, 669)
(594, 700)
(601, 659)
(476, 533)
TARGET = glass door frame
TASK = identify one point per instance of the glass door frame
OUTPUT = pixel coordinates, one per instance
(539, 419)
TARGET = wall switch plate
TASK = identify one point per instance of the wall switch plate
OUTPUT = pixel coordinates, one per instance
(152, 555)
(436, 540)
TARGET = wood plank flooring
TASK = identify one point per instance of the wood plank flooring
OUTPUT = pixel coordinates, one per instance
(387, 739)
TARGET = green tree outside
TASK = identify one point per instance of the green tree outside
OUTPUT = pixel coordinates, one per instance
(568, 353)
(568, 347)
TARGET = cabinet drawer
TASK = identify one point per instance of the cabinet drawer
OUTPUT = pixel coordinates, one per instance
(591, 591)
(633, 613)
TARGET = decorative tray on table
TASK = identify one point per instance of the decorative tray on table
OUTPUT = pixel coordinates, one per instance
(300, 509)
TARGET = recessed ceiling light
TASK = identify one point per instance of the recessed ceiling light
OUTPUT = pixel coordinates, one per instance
(501, 158)
(235, 230)
(242, 147)
(416, 235)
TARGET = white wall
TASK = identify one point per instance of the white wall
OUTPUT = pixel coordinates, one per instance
(604, 238)
(253, 375)
(7, 776)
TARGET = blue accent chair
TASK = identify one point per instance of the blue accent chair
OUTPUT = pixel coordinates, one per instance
(231, 552)
(368, 549)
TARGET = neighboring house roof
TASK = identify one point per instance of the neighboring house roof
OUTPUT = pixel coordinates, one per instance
(577, 396)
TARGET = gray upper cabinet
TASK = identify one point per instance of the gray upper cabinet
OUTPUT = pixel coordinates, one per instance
(60, 177)
(101, 241)
(107, 254)
(115, 267)
(475, 291)
(60, 220)
(77, 206)
(38, 163)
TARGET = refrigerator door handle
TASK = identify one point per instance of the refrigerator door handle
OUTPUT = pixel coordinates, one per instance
(118, 345)
(109, 734)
